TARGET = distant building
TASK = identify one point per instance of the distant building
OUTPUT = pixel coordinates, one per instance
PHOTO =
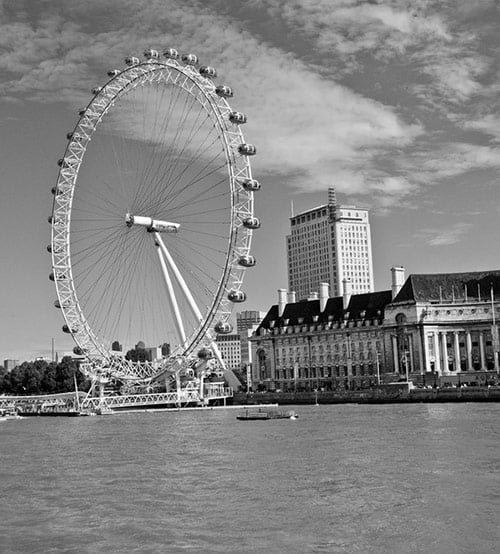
(434, 329)
(328, 244)
(9, 365)
(230, 349)
(246, 323)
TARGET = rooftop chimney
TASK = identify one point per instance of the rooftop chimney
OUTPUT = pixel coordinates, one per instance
(292, 297)
(398, 279)
(347, 291)
(324, 291)
(281, 301)
(313, 296)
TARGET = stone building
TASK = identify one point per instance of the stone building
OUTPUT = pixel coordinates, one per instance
(438, 329)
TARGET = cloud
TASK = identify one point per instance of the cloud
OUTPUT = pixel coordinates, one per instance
(312, 129)
(309, 129)
(449, 236)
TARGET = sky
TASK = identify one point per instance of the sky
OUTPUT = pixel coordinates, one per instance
(393, 103)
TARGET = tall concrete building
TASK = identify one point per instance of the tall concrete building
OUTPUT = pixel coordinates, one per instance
(246, 323)
(230, 349)
(330, 244)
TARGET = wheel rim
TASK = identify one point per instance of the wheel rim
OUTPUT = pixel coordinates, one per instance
(155, 142)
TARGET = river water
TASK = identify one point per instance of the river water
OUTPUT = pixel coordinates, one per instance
(341, 478)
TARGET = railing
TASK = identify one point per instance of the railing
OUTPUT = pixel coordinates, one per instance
(180, 398)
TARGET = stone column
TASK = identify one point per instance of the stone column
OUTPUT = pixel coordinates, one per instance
(395, 353)
(444, 347)
(410, 349)
(457, 350)
(481, 350)
(468, 347)
(437, 354)
(427, 360)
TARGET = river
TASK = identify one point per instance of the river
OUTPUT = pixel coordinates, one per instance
(341, 478)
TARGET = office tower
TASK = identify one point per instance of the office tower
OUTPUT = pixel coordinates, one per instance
(229, 347)
(246, 323)
(328, 244)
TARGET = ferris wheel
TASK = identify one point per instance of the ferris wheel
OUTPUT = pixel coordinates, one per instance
(153, 215)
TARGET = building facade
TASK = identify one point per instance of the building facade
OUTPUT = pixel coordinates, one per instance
(230, 349)
(328, 244)
(431, 329)
(246, 323)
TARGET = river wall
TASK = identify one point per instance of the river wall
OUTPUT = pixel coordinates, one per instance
(372, 396)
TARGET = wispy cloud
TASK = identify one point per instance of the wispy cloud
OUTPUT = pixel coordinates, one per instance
(445, 237)
(309, 123)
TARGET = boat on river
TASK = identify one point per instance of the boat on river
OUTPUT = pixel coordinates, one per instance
(264, 414)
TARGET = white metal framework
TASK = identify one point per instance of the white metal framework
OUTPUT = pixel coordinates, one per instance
(152, 217)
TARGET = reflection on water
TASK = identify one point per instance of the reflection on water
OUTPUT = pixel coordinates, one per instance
(353, 478)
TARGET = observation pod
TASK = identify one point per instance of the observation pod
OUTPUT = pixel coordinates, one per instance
(96, 90)
(54, 191)
(204, 354)
(77, 351)
(151, 54)
(113, 72)
(62, 162)
(236, 296)
(49, 248)
(237, 118)
(132, 60)
(208, 71)
(250, 184)
(224, 91)
(171, 54)
(69, 135)
(66, 329)
(81, 112)
(251, 223)
(57, 304)
(51, 276)
(247, 149)
(247, 261)
(190, 59)
(50, 219)
(223, 328)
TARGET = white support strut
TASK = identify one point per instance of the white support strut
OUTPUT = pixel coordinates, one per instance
(188, 295)
(173, 300)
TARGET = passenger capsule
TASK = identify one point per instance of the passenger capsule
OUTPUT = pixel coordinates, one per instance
(57, 304)
(223, 328)
(236, 296)
(96, 90)
(69, 135)
(250, 184)
(190, 59)
(224, 91)
(247, 149)
(151, 54)
(208, 71)
(171, 53)
(66, 329)
(132, 60)
(251, 223)
(204, 354)
(51, 276)
(77, 351)
(247, 261)
(54, 191)
(113, 72)
(81, 112)
(49, 248)
(238, 118)
(50, 219)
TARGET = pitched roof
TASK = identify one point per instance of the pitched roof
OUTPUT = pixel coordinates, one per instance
(449, 287)
(369, 305)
